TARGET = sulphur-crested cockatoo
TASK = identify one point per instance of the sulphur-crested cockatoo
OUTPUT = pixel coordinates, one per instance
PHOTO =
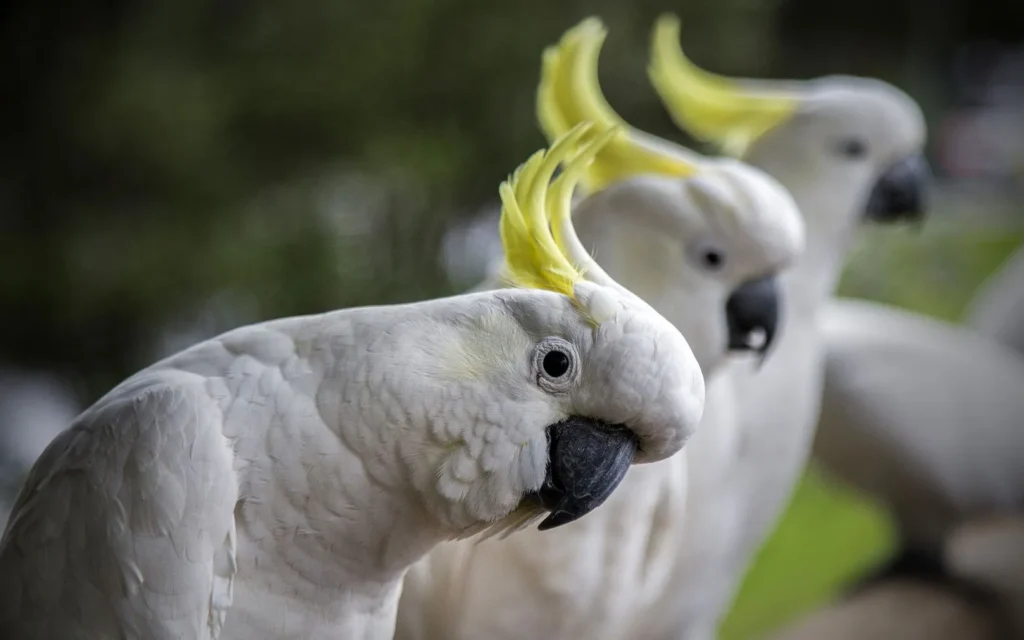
(898, 388)
(997, 310)
(701, 240)
(977, 597)
(277, 481)
(848, 149)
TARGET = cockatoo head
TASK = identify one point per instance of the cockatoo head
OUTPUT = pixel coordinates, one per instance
(562, 381)
(848, 148)
(699, 239)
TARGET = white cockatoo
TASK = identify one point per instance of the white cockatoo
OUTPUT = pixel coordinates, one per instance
(278, 480)
(848, 149)
(701, 240)
(923, 415)
(997, 310)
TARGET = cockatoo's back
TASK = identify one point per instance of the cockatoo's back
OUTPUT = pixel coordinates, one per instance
(136, 499)
(925, 415)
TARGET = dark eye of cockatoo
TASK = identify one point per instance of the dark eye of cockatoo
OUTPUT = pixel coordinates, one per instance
(556, 364)
(853, 148)
(712, 259)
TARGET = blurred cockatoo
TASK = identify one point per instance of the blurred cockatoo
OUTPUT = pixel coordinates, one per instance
(849, 150)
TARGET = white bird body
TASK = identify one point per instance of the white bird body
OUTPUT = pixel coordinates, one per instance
(174, 449)
(610, 576)
(735, 501)
(229, 421)
(924, 415)
(606, 577)
(598, 577)
(845, 148)
(278, 480)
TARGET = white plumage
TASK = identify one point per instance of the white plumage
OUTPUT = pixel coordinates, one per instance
(278, 480)
(617, 574)
(924, 415)
(847, 149)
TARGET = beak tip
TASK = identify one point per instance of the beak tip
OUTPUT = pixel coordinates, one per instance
(587, 461)
(752, 315)
(900, 193)
(554, 520)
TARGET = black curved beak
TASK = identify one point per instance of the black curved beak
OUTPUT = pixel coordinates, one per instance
(587, 460)
(752, 314)
(901, 192)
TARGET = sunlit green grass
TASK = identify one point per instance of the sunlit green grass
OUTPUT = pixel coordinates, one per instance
(829, 535)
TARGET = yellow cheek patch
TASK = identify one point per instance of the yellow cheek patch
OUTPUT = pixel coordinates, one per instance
(491, 343)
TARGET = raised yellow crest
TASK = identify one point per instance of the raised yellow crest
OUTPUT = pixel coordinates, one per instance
(535, 256)
(570, 93)
(731, 114)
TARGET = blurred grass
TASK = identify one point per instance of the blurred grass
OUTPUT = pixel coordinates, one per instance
(830, 535)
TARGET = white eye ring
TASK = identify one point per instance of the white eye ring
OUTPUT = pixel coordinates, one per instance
(557, 364)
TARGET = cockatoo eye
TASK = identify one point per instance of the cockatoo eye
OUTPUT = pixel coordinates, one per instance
(712, 259)
(852, 148)
(706, 255)
(556, 363)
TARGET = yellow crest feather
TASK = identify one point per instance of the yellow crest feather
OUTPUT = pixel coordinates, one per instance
(711, 107)
(535, 257)
(570, 93)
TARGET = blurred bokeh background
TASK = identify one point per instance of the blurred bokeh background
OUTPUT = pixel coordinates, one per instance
(171, 169)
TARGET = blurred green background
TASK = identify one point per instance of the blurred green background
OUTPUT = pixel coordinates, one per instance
(171, 169)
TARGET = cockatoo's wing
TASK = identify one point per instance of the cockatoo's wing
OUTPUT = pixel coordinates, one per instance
(998, 308)
(125, 526)
(927, 416)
